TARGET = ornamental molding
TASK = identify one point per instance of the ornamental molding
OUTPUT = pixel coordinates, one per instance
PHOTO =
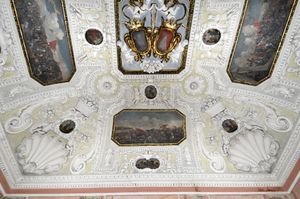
(103, 163)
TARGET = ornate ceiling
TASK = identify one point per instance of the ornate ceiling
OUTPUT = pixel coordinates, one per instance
(108, 116)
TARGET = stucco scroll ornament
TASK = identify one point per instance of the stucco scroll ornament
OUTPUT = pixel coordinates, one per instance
(79, 162)
(273, 120)
(216, 160)
(278, 123)
(21, 122)
(280, 90)
(253, 151)
(41, 154)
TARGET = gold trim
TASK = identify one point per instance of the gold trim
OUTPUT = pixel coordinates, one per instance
(172, 27)
(164, 71)
(137, 26)
(150, 144)
(241, 23)
(22, 40)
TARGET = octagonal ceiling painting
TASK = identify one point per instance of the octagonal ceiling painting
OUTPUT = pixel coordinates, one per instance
(144, 127)
(120, 127)
(45, 38)
(259, 39)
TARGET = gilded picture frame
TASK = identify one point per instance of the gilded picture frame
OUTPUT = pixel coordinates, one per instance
(148, 127)
(45, 37)
(252, 31)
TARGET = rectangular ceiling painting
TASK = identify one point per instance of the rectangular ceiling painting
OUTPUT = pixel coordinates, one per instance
(261, 32)
(152, 35)
(140, 127)
(45, 37)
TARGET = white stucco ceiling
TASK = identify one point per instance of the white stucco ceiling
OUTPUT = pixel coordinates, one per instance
(89, 158)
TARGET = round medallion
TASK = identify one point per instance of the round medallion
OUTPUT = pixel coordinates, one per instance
(229, 125)
(194, 85)
(67, 126)
(211, 36)
(94, 36)
(150, 92)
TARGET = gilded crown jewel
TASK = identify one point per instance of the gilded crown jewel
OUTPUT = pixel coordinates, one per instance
(171, 24)
(134, 24)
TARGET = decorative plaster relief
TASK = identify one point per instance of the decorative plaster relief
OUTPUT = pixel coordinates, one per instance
(253, 151)
(273, 120)
(224, 17)
(90, 15)
(41, 154)
(295, 43)
(12, 63)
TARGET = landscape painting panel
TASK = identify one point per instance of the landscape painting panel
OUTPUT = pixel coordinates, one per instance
(149, 127)
(261, 34)
(45, 38)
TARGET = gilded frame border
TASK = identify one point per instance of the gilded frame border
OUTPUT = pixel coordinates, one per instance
(140, 72)
(150, 144)
(245, 8)
(68, 35)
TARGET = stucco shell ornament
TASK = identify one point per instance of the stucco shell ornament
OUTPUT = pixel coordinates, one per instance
(253, 151)
(41, 154)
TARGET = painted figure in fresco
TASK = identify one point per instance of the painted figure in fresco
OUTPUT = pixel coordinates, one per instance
(54, 35)
(263, 29)
(150, 92)
(229, 125)
(42, 25)
(148, 127)
(67, 126)
(94, 36)
(152, 163)
(211, 36)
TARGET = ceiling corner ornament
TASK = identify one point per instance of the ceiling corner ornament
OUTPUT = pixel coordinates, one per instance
(149, 32)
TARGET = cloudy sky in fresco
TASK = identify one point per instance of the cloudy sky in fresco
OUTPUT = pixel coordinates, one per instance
(148, 120)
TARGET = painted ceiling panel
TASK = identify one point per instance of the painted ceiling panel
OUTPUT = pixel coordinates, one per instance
(45, 39)
(59, 139)
(262, 30)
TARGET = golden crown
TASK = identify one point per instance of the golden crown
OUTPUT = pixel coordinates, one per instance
(171, 24)
(134, 24)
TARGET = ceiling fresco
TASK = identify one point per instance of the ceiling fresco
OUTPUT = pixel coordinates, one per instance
(148, 127)
(103, 130)
(261, 33)
(45, 39)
